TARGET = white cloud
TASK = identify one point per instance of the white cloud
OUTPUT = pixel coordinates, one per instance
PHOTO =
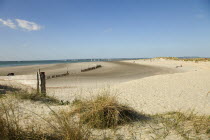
(24, 24)
(30, 26)
(8, 23)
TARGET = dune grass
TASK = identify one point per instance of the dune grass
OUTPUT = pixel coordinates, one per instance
(105, 111)
(101, 112)
(59, 126)
(10, 124)
(188, 125)
(23, 94)
(36, 97)
(186, 59)
(4, 89)
(68, 127)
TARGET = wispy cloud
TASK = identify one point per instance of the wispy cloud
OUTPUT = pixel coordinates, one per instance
(8, 23)
(22, 24)
(30, 26)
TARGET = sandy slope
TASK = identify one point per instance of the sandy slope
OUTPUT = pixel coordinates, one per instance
(170, 92)
(187, 89)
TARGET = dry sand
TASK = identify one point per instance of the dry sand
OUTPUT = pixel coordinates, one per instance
(155, 86)
(189, 90)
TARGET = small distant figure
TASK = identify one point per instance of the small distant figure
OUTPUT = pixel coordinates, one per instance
(133, 61)
(10, 74)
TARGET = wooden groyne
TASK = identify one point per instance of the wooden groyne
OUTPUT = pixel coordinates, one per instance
(91, 68)
(57, 75)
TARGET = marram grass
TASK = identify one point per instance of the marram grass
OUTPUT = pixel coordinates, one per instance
(105, 111)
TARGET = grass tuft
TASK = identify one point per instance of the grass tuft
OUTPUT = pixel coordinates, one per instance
(68, 128)
(36, 97)
(59, 126)
(105, 112)
(4, 89)
(11, 128)
(186, 124)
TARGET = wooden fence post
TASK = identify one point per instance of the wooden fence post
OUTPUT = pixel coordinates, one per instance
(43, 83)
(37, 86)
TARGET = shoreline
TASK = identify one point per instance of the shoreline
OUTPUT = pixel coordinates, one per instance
(64, 61)
(117, 71)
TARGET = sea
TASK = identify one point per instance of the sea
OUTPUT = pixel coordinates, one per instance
(42, 62)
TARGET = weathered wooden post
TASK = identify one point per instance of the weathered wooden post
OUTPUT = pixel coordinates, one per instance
(67, 71)
(43, 83)
(37, 86)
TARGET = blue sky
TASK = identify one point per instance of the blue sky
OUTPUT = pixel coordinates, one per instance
(72, 29)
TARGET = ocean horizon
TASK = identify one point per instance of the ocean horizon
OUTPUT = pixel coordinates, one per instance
(42, 62)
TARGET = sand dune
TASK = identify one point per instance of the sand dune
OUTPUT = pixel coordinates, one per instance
(185, 91)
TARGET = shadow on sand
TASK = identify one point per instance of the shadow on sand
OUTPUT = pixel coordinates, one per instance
(4, 89)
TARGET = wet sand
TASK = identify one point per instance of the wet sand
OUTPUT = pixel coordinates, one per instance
(110, 73)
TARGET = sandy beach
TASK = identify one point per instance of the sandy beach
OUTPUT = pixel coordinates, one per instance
(152, 86)
(104, 70)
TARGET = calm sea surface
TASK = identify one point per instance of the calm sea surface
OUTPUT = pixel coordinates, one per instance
(24, 63)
